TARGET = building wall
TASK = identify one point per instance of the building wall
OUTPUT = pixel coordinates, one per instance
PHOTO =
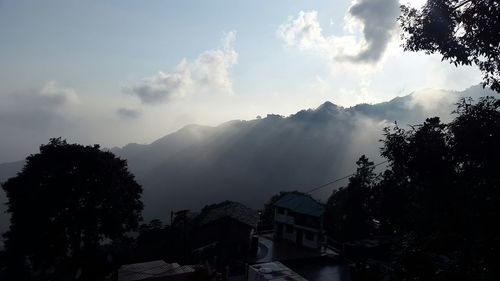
(288, 221)
(291, 236)
(283, 218)
(314, 243)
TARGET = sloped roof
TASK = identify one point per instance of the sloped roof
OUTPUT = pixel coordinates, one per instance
(302, 204)
(233, 210)
(276, 271)
(152, 269)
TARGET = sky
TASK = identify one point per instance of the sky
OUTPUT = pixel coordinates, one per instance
(117, 72)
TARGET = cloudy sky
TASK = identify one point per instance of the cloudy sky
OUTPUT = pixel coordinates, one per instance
(115, 72)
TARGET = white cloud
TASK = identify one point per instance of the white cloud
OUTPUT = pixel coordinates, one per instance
(57, 95)
(431, 100)
(30, 117)
(209, 72)
(305, 33)
(370, 26)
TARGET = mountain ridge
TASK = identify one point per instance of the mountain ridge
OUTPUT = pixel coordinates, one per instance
(250, 160)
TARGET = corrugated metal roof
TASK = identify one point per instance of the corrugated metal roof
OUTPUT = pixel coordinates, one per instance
(303, 204)
(152, 269)
(275, 271)
(233, 210)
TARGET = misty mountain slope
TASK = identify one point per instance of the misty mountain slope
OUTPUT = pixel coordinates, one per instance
(147, 156)
(249, 161)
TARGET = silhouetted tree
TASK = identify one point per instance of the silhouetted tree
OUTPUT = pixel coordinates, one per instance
(68, 201)
(152, 242)
(438, 199)
(475, 143)
(348, 215)
(465, 32)
(441, 193)
(421, 167)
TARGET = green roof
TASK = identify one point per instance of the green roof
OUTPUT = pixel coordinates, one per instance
(303, 204)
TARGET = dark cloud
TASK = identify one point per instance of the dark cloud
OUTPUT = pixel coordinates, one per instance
(161, 87)
(127, 113)
(29, 118)
(378, 18)
(50, 96)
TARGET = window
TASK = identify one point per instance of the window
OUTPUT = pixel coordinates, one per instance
(308, 221)
(289, 229)
(281, 211)
(309, 236)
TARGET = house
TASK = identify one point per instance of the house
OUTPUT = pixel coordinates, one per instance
(225, 230)
(272, 271)
(156, 271)
(299, 219)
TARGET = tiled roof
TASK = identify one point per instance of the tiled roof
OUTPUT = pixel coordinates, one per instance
(152, 269)
(233, 210)
(299, 203)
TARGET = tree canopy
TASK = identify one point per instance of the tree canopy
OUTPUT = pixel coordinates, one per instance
(447, 176)
(438, 199)
(465, 32)
(348, 209)
(66, 202)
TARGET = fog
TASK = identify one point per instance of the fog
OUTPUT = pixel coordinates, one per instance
(249, 161)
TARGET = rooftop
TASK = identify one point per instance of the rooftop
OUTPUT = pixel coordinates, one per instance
(300, 203)
(274, 271)
(152, 269)
(233, 210)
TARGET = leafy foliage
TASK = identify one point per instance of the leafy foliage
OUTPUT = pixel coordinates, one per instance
(438, 199)
(348, 210)
(65, 203)
(453, 185)
(465, 32)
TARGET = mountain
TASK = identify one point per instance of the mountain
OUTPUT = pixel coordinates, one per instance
(249, 161)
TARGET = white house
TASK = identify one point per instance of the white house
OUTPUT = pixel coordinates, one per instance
(299, 219)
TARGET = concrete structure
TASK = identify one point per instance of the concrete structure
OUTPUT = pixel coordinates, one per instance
(299, 219)
(272, 271)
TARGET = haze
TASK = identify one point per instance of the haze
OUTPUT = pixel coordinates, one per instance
(123, 72)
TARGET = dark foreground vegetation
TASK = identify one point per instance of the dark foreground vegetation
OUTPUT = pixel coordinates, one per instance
(438, 202)
(66, 204)
(75, 210)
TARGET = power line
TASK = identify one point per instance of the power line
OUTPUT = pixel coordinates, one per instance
(336, 180)
(339, 179)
